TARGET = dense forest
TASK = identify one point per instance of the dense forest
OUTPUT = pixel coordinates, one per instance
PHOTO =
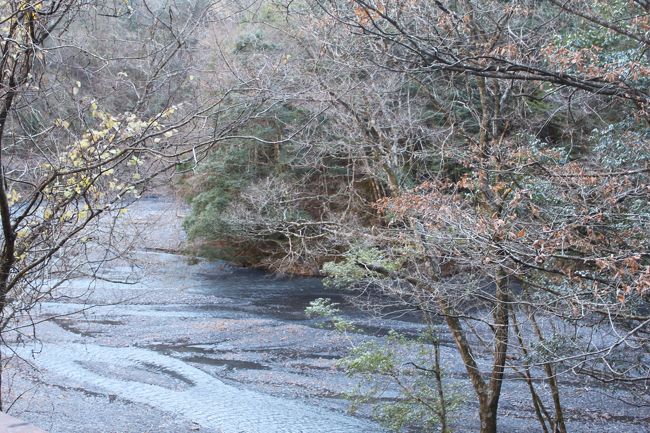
(486, 162)
(482, 164)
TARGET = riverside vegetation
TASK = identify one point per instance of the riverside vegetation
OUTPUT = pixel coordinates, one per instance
(483, 165)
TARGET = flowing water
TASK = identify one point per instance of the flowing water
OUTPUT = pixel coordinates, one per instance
(209, 347)
(169, 384)
(187, 340)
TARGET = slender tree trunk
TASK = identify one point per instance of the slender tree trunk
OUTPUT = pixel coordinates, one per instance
(559, 425)
(488, 415)
(491, 391)
(540, 411)
(442, 411)
(488, 402)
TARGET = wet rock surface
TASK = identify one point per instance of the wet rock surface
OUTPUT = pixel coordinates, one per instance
(210, 347)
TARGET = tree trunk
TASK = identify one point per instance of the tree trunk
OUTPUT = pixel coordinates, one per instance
(488, 415)
(559, 425)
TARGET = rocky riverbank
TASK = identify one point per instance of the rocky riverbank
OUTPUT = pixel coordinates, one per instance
(186, 346)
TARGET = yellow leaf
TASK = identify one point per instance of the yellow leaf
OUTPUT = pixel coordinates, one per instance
(14, 196)
(110, 123)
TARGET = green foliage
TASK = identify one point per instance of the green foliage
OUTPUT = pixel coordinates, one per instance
(584, 35)
(234, 166)
(609, 48)
(227, 171)
(619, 145)
(358, 264)
(405, 366)
(326, 309)
(554, 347)
(369, 359)
(32, 121)
(322, 307)
(399, 379)
(274, 12)
(252, 41)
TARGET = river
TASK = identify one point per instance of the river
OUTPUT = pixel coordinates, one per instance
(210, 347)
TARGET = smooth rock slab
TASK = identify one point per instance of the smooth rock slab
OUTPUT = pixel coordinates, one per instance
(190, 392)
(9, 424)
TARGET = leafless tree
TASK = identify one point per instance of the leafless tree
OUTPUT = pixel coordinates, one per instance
(509, 171)
(96, 100)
